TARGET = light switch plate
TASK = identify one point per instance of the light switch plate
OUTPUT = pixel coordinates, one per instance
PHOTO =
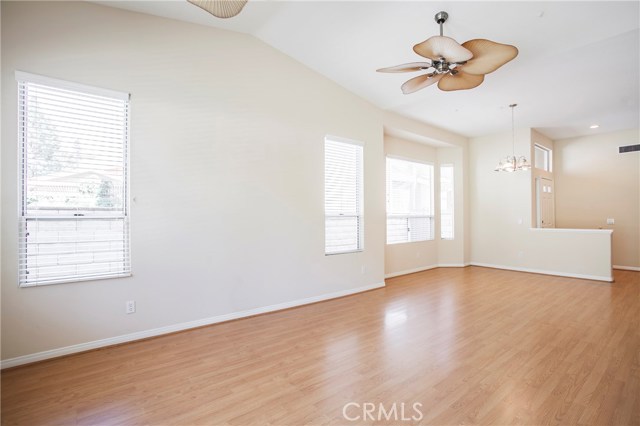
(610, 221)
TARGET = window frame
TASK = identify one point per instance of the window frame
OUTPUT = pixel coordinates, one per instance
(453, 212)
(21, 78)
(359, 201)
(548, 157)
(431, 216)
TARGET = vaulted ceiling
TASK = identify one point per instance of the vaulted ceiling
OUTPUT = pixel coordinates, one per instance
(578, 63)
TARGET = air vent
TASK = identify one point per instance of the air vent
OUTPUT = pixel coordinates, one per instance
(629, 148)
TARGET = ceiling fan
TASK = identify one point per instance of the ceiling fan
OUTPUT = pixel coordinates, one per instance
(220, 8)
(451, 65)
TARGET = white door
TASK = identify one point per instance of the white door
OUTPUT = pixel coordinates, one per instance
(546, 206)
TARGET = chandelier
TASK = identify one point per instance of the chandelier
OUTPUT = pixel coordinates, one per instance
(511, 163)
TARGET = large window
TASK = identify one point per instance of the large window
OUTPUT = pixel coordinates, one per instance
(342, 196)
(446, 201)
(73, 182)
(409, 201)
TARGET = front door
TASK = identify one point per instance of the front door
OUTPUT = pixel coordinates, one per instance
(546, 206)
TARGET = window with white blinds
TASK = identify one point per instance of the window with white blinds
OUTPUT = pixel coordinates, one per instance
(342, 195)
(446, 201)
(74, 222)
(409, 201)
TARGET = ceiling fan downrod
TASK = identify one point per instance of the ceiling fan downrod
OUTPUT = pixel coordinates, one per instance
(441, 17)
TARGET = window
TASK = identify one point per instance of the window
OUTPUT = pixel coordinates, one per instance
(446, 201)
(409, 201)
(342, 196)
(542, 158)
(74, 222)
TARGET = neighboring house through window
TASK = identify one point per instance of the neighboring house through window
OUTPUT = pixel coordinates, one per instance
(74, 197)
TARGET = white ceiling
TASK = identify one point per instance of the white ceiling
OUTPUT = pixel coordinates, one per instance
(578, 63)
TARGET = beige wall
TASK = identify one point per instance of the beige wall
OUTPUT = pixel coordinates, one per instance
(594, 182)
(500, 216)
(226, 171)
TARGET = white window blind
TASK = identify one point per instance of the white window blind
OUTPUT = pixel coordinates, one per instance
(342, 196)
(74, 223)
(409, 201)
(446, 201)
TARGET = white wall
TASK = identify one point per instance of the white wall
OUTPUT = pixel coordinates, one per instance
(500, 216)
(595, 182)
(226, 171)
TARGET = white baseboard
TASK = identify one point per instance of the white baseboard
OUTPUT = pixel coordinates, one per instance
(82, 347)
(545, 272)
(453, 265)
(627, 268)
(410, 271)
(426, 268)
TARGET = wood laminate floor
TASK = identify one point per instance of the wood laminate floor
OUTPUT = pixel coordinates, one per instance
(472, 346)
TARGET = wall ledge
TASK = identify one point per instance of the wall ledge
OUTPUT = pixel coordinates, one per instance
(145, 334)
(545, 272)
(576, 230)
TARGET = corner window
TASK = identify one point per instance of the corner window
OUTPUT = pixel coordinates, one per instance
(446, 201)
(409, 201)
(343, 195)
(74, 198)
(542, 158)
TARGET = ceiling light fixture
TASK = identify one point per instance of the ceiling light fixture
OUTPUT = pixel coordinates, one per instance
(594, 126)
(451, 65)
(512, 163)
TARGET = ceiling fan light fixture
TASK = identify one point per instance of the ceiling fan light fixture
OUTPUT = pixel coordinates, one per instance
(461, 67)
(220, 8)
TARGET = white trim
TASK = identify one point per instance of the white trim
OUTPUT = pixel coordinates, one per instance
(453, 265)
(627, 268)
(82, 347)
(544, 272)
(410, 271)
(69, 85)
(426, 268)
(579, 231)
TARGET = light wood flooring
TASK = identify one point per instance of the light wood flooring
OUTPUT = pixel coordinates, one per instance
(472, 345)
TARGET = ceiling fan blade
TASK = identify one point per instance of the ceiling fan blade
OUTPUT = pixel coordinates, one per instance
(410, 67)
(220, 8)
(419, 82)
(460, 81)
(437, 47)
(488, 56)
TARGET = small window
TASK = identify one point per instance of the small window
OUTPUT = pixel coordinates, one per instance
(74, 222)
(409, 201)
(542, 158)
(446, 201)
(342, 195)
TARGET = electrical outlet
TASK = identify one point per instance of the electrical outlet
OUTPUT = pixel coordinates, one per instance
(130, 306)
(363, 269)
(611, 221)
